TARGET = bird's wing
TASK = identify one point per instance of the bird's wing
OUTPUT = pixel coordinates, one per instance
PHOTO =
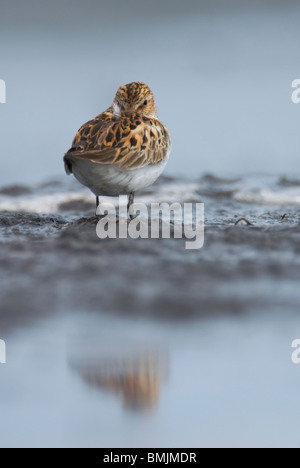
(131, 142)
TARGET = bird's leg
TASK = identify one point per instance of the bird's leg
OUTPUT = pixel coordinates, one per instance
(130, 202)
(97, 203)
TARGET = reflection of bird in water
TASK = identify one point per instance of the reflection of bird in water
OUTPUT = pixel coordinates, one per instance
(137, 378)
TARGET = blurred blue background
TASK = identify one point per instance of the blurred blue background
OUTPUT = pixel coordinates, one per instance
(135, 344)
(221, 73)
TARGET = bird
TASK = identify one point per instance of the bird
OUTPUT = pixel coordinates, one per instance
(122, 150)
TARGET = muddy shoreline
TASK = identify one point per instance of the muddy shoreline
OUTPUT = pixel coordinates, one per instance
(51, 265)
(144, 334)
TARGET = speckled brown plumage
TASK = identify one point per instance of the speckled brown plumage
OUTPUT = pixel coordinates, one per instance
(127, 135)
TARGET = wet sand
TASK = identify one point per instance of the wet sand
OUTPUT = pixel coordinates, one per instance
(240, 292)
(56, 263)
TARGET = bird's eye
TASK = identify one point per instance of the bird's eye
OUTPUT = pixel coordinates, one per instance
(145, 103)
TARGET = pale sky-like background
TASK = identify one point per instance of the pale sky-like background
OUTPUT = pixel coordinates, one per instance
(221, 73)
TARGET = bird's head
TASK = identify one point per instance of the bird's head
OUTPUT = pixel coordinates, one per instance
(135, 98)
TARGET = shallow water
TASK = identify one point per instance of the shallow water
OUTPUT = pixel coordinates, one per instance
(94, 380)
(141, 343)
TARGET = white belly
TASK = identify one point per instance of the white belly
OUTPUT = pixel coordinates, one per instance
(109, 180)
